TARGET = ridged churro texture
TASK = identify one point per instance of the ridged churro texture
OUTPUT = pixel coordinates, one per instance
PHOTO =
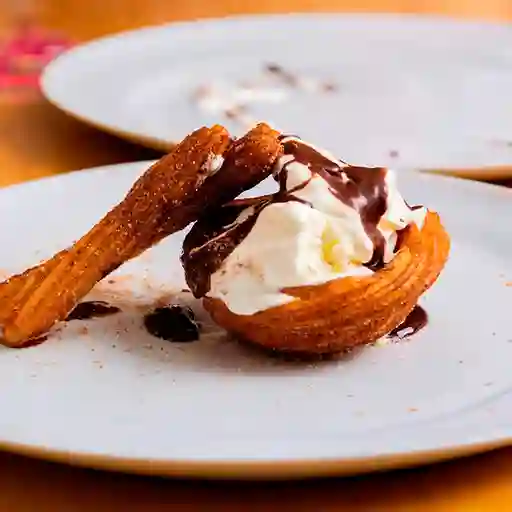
(247, 162)
(347, 312)
(170, 195)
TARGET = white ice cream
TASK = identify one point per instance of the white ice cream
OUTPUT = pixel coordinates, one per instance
(294, 244)
(213, 164)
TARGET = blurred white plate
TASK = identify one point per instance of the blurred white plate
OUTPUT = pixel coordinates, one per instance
(105, 393)
(417, 92)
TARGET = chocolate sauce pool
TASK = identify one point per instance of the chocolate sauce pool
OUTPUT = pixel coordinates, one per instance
(178, 324)
(417, 320)
(92, 309)
(173, 323)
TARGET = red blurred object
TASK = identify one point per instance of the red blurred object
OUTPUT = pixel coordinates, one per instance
(23, 56)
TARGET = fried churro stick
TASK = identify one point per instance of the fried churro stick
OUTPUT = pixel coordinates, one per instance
(171, 194)
(247, 161)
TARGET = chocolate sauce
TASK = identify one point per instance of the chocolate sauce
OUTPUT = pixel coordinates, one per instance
(417, 320)
(214, 238)
(92, 309)
(400, 236)
(413, 207)
(361, 188)
(174, 323)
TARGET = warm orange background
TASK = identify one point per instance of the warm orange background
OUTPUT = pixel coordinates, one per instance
(37, 140)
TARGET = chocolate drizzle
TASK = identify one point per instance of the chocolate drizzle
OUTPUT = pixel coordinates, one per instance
(214, 238)
(417, 320)
(362, 188)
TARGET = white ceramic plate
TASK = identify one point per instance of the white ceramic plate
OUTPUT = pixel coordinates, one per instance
(105, 393)
(411, 91)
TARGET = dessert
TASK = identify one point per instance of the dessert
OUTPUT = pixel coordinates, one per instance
(205, 170)
(333, 259)
(336, 258)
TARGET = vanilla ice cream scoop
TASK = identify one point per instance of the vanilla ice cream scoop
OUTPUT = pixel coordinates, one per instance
(328, 220)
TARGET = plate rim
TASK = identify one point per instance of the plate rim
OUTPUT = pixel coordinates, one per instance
(254, 470)
(52, 70)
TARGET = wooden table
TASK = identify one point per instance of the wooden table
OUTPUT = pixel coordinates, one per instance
(36, 140)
